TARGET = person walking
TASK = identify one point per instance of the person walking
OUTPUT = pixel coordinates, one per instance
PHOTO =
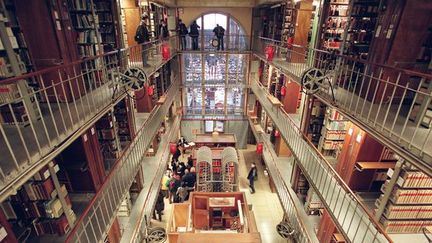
(182, 32)
(142, 37)
(219, 33)
(160, 206)
(163, 30)
(194, 34)
(252, 176)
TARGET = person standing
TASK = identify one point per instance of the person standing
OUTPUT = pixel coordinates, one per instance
(182, 32)
(219, 33)
(252, 176)
(174, 184)
(163, 30)
(142, 37)
(165, 184)
(194, 34)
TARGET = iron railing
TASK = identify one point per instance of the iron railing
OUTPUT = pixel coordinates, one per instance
(391, 103)
(232, 42)
(99, 215)
(36, 122)
(349, 214)
(286, 195)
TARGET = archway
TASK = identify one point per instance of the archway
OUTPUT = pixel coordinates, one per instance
(235, 35)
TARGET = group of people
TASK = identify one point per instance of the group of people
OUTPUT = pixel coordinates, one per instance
(142, 35)
(193, 32)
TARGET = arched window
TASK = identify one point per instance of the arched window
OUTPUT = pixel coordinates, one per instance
(235, 36)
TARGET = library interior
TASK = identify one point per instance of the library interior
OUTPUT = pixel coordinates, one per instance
(235, 121)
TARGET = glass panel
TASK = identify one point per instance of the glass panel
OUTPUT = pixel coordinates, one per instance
(194, 100)
(236, 68)
(215, 69)
(214, 100)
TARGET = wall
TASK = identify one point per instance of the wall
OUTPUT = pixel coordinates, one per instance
(238, 127)
(242, 15)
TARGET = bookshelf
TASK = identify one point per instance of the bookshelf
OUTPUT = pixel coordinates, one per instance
(41, 205)
(107, 128)
(106, 14)
(334, 24)
(316, 122)
(125, 123)
(361, 27)
(409, 207)
(289, 21)
(333, 134)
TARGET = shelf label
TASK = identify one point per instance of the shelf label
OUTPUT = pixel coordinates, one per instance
(378, 31)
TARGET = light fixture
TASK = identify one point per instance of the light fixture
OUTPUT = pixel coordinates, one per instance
(350, 131)
(359, 138)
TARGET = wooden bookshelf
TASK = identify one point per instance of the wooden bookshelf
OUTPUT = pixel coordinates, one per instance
(334, 23)
(38, 206)
(363, 17)
(409, 208)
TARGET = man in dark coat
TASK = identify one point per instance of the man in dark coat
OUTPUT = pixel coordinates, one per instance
(219, 33)
(194, 34)
(160, 206)
(253, 173)
(142, 37)
(182, 32)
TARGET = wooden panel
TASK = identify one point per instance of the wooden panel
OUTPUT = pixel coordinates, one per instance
(291, 98)
(303, 23)
(215, 237)
(181, 214)
(281, 148)
(143, 101)
(132, 16)
(91, 160)
(10, 238)
(114, 234)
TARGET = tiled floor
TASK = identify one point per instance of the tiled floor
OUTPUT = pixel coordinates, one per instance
(265, 204)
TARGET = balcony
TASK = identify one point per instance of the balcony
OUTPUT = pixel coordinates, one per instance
(392, 104)
(233, 43)
(349, 215)
(99, 215)
(40, 123)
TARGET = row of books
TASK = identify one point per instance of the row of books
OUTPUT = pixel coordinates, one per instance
(404, 226)
(33, 191)
(84, 21)
(80, 4)
(408, 212)
(334, 135)
(88, 36)
(415, 179)
(102, 6)
(402, 196)
(58, 226)
(86, 51)
(105, 17)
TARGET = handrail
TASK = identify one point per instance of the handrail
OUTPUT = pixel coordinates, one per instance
(404, 70)
(155, 180)
(332, 170)
(261, 136)
(116, 165)
(69, 64)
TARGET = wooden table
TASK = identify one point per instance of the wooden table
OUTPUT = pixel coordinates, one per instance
(221, 140)
(224, 237)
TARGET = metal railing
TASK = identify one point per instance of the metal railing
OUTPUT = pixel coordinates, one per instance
(349, 214)
(285, 193)
(232, 42)
(138, 234)
(35, 123)
(391, 103)
(99, 215)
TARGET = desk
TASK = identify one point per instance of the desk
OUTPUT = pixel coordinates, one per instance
(161, 100)
(221, 236)
(375, 165)
(274, 101)
(221, 140)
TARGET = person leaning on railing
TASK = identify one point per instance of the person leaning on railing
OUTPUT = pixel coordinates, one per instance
(182, 32)
(194, 34)
(142, 37)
